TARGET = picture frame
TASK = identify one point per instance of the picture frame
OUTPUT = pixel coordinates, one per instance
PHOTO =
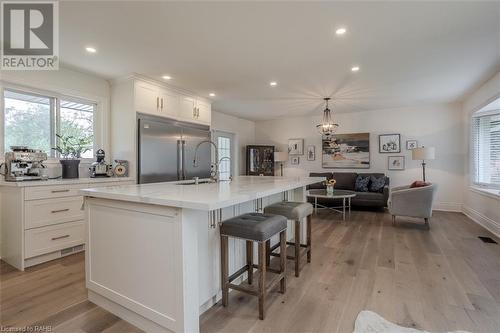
(389, 143)
(396, 163)
(411, 144)
(346, 151)
(295, 160)
(295, 146)
(311, 153)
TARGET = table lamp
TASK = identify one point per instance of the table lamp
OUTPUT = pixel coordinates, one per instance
(423, 153)
(281, 156)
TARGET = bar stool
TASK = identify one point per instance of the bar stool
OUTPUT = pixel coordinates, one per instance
(295, 211)
(253, 227)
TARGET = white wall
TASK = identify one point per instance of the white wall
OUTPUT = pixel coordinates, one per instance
(244, 131)
(432, 125)
(482, 207)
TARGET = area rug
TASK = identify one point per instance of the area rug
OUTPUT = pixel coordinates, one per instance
(370, 322)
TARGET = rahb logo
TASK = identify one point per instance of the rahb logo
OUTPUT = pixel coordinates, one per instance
(30, 35)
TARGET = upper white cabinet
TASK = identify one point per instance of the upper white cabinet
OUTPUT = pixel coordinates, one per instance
(187, 109)
(155, 100)
(160, 101)
(203, 112)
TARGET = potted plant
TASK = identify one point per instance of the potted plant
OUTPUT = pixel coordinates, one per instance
(71, 149)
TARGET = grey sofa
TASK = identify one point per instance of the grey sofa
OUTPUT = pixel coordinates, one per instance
(346, 181)
(413, 202)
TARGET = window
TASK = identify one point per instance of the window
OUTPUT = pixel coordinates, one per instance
(225, 150)
(486, 149)
(28, 121)
(77, 120)
(33, 120)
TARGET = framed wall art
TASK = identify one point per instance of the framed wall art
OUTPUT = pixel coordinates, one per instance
(411, 144)
(296, 146)
(346, 151)
(389, 143)
(311, 153)
(396, 163)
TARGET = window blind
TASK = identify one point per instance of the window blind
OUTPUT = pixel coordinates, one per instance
(486, 149)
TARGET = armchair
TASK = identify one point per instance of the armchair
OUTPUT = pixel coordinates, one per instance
(413, 202)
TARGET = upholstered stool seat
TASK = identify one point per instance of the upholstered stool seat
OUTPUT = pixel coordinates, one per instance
(253, 227)
(295, 211)
(290, 210)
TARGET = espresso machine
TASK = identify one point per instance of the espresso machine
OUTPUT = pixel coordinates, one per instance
(23, 164)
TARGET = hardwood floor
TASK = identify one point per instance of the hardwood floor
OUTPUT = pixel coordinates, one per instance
(438, 280)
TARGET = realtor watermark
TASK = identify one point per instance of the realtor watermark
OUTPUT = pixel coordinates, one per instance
(30, 35)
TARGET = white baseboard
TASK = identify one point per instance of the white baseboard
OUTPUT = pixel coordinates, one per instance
(490, 224)
(448, 206)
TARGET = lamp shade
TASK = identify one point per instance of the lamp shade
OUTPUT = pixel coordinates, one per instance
(280, 156)
(423, 153)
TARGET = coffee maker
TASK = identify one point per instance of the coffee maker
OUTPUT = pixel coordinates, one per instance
(99, 168)
(22, 164)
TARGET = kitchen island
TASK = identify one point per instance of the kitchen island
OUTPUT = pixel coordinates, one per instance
(153, 252)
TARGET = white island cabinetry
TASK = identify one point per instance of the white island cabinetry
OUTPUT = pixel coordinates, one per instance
(153, 252)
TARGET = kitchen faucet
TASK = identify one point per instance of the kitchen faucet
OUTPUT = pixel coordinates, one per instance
(230, 171)
(214, 173)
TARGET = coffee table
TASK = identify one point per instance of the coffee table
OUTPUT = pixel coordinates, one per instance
(345, 195)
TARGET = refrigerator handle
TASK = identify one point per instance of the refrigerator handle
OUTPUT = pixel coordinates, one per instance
(179, 160)
(183, 159)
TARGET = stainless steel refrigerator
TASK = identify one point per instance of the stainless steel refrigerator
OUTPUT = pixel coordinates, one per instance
(166, 150)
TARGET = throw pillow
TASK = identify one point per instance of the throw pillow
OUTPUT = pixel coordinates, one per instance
(361, 184)
(376, 184)
(418, 183)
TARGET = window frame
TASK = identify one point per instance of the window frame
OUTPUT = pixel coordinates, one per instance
(472, 162)
(98, 121)
(232, 150)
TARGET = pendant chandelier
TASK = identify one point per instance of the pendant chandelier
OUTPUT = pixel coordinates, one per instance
(327, 126)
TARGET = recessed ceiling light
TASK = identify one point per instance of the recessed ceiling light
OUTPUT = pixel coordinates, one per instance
(355, 68)
(166, 77)
(341, 31)
(90, 49)
(273, 83)
(211, 94)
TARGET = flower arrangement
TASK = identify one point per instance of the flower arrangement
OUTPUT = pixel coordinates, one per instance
(330, 184)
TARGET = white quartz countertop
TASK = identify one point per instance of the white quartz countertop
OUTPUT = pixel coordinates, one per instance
(208, 196)
(60, 181)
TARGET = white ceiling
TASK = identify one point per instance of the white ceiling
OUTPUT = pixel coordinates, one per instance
(409, 52)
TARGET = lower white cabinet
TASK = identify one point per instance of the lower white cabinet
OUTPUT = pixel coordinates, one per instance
(45, 221)
(39, 213)
(43, 240)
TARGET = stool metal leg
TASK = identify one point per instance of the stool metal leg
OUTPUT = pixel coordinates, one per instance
(308, 236)
(224, 263)
(250, 261)
(283, 261)
(297, 248)
(262, 278)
